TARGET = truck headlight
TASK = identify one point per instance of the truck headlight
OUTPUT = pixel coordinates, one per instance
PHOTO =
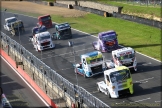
(113, 87)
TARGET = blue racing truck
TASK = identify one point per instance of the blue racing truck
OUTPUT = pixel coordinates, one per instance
(63, 31)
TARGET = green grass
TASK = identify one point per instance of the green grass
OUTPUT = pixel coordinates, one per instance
(142, 38)
(130, 8)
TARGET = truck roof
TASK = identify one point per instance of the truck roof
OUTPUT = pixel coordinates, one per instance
(42, 34)
(63, 26)
(91, 54)
(107, 72)
(43, 16)
(10, 18)
(123, 50)
(107, 33)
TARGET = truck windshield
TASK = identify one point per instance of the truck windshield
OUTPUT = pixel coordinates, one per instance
(45, 18)
(44, 37)
(16, 24)
(96, 60)
(126, 56)
(120, 75)
(37, 30)
(64, 32)
(11, 20)
(109, 37)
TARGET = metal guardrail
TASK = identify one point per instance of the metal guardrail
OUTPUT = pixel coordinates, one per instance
(147, 3)
(137, 19)
(49, 77)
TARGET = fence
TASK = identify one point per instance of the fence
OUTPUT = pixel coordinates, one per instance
(49, 80)
(155, 3)
(141, 20)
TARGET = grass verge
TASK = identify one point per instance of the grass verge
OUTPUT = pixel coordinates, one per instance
(142, 38)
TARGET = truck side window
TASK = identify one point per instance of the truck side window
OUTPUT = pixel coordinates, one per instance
(84, 61)
(107, 77)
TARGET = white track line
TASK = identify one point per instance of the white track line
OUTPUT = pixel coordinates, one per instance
(27, 84)
(94, 36)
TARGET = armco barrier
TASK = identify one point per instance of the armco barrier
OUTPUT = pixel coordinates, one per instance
(47, 79)
(28, 79)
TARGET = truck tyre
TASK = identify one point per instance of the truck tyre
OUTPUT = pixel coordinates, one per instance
(93, 46)
(85, 75)
(75, 70)
(98, 89)
(108, 93)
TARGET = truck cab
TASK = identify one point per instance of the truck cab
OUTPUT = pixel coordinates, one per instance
(107, 41)
(42, 41)
(63, 31)
(8, 22)
(117, 82)
(91, 64)
(17, 27)
(123, 57)
(38, 29)
(45, 20)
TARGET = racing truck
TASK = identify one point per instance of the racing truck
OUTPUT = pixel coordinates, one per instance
(45, 20)
(123, 57)
(8, 22)
(118, 82)
(38, 29)
(63, 31)
(91, 64)
(17, 27)
(107, 41)
(42, 41)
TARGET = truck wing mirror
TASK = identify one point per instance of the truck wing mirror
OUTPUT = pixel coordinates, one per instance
(116, 34)
(77, 65)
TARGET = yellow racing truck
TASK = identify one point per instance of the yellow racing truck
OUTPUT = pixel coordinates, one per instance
(118, 82)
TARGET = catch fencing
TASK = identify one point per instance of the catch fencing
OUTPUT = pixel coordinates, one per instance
(137, 19)
(154, 3)
(49, 80)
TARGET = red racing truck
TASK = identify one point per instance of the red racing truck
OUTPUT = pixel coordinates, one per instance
(45, 20)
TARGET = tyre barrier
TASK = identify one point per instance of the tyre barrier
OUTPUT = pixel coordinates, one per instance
(70, 6)
(50, 4)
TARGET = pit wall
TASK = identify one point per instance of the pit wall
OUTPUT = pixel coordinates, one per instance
(94, 5)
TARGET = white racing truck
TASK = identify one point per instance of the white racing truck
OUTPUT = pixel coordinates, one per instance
(118, 82)
(8, 21)
(91, 64)
(42, 41)
(123, 57)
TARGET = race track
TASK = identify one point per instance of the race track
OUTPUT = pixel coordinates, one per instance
(147, 81)
(17, 91)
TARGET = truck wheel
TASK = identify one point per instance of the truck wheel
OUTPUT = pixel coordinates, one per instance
(98, 89)
(93, 47)
(75, 70)
(85, 75)
(108, 93)
(37, 49)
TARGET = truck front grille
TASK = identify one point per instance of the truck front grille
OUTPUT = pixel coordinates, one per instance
(96, 69)
(128, 64)
(45, 43)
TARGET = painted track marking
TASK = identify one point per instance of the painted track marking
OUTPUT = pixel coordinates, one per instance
(145, 79)
(26, 83)
(141, 100)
